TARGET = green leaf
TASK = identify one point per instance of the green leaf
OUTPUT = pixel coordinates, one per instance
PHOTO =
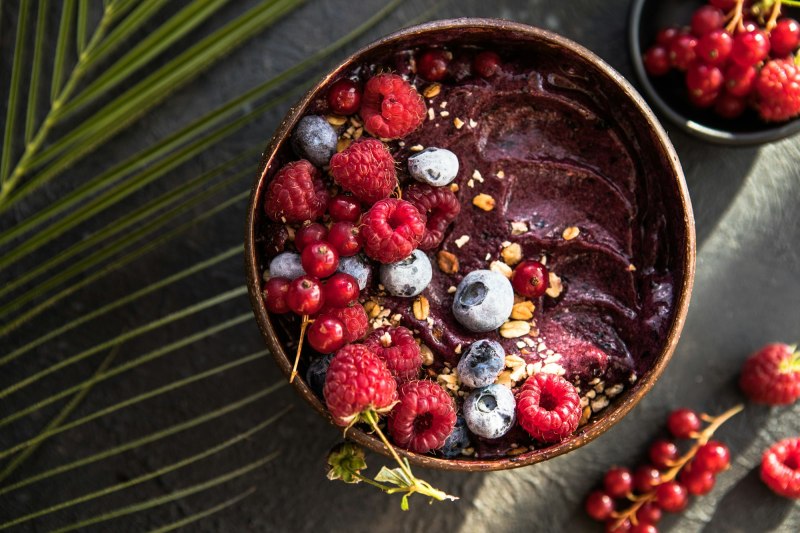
(36, 67)
(13, 93)
(64, 31)
(83, 22)
(394, 476)
(204, 513)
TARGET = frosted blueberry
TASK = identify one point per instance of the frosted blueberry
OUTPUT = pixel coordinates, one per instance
(315, 375)
(483, 300)
(490, 411)
(314, 139)
(481, 363)
(358, 267)
(457, 440)
(407, 277)
(286, 265)
(435, 166)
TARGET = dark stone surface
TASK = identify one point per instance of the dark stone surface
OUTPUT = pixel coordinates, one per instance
(746, 293)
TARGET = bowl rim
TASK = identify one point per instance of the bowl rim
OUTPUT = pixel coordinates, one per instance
(688, 125)
(630, 397)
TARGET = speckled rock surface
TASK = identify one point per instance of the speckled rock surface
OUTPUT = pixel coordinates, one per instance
(746, 293)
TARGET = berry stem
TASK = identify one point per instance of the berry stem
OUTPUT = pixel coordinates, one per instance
(702, 437)
(736, 17)
(773, 17)
(303, 327)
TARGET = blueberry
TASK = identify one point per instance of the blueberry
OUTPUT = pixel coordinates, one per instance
(286, 265)
(435, 166)
(315, 139)
(358, 267)
(457, 440)
(315, 375)
(409, 276)
(481, 363)
(483, 300)
(490, 411)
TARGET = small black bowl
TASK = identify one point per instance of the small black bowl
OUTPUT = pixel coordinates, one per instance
(668, 93)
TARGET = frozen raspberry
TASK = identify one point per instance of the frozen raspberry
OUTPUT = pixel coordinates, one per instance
(440, 206)
(780, 468)
(391, 107)
(397, 347)
(391, 230)
(778, 87)
(296, 194)
(357, 380)
(548, 407)
(365, 168)
(772, 375)
(423, 418)
(353, 317)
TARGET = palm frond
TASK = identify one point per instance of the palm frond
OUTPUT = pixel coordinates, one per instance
(36, 67)
(13, 94)
(64, 31)
(204, 513)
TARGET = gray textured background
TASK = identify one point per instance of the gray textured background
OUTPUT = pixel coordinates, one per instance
(746, 293)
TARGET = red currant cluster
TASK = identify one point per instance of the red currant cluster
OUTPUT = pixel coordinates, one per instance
(666, 482)
(735, 54)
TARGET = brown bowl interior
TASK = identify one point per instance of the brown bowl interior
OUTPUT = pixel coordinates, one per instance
(623, 104)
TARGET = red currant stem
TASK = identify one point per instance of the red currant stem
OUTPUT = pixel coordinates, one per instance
(791, 3)
(773, 17)
(385, 488)
(702, 438)
(736, 18)
(372, 419)
(303, 327)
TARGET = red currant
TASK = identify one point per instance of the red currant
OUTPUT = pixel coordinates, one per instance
(643, 527)
(666, 35)
(304, 296)
(340, 289)
(707, 19)
(319, 259)
(750, 48)
(683, 423)
(739, 80)
(599, 505)
(682, 51)
(343, 208)
(622, 527)
(645, 478)
(274, 293)
(344, 97)
(784, 37)
(486, 64)
(703, 79)
(432, 64)
(672, 497)
(656, 60)
(703, 100)
(663, 453)
(308, 234)
(649, 513)
(696, 480)
(618, 482)
(326, 334)
(729, 106)
(344, 237)
(530, 279)
(715, 47)
(712, 456)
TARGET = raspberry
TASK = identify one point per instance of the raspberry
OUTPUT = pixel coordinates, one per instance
(398, 349)
(357, 380)
(548, 407)
(391, 230)
(778, 86)
(296, 194)
(440, 206)
(353, 317)
(391, 107)
(780, 468)
(365, 168)
(423, 418)
(772, 375)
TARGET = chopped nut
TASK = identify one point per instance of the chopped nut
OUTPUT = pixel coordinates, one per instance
(521, 344)
(553, 368)
(432, 90)
(444, 114)
(427, 355)
(531, 369)
(454, 187)
(517, 451)
(447, 379)
(518, 374)
(599, 404)
(358, 133)
(461, 241)
(555, 288)
(512, 254)
(514, 361)
(501, 268)
(336, 120)
(504, 378)
(342, 144)
(614, 390)
(484, 201)
(448, 262)
(385, 313)
(585, 416)
(386, 340)
(443, 104)
(471, 183)
(514, 328)
(500, 174)
(458, 123)
(477, 175)
(451, 289)
(523, 310)
(472, 123)
(372, 308)
(584, 401)
(457, 349)
(417, 148)
(431, 113)
(290, 231)
(518, 228)
(591, 394)
(570, 233)
(421, 308)
(631, 268)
